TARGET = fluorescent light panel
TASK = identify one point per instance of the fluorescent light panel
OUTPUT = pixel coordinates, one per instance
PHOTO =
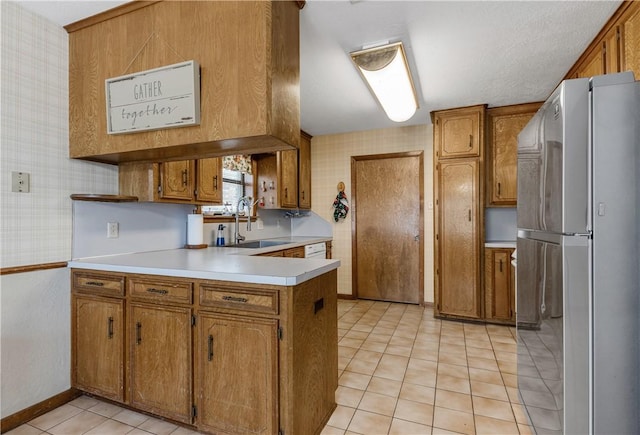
(386, 71)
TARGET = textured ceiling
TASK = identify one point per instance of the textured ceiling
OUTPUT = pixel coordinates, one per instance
(461, 53)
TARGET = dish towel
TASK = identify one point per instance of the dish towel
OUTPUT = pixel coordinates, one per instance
(340, 206)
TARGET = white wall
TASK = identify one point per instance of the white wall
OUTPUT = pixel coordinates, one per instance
(36, 227)
(331, 163)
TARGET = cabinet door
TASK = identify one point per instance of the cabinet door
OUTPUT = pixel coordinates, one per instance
(503, 129)
(288, 179)
(499, 293)
(459, 223)
(160, 360)
(98, 346)
(612, 51)
(458, 132)
(593, 65)
(237, 374)
(177, 180)
(209, 185)
(631, 40)
(304, 171)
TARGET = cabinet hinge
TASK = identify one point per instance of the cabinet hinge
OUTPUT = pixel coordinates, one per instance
(280, 432)
(195, 193)
(193, 320)
(280, 332)
(194, 411)
(159, 188)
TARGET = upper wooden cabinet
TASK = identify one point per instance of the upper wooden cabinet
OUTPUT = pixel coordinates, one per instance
(459, 132)
(183, 181)
(304, 171)
(503, 125)
(248, 52)
(616, 48)
(284, 178)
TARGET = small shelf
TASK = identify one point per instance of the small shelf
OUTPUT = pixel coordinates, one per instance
(103, 198)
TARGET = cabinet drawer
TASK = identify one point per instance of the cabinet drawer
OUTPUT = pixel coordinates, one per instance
(263, 301)
(98, 283)
(161, 290)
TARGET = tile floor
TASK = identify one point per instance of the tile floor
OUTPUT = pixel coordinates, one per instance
(400, 372)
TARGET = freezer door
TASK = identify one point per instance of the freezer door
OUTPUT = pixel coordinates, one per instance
(552, 163)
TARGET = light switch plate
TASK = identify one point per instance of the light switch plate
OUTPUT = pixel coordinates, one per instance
(20, 182)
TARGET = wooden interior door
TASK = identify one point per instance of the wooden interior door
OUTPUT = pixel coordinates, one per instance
(388, 246)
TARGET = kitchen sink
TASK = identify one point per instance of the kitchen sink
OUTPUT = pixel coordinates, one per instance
(258, 244)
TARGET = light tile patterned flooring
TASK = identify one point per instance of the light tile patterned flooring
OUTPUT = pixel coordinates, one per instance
(403, 372)
(400, 372)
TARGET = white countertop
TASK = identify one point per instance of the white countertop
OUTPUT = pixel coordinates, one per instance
(218, 263)
(501, 244)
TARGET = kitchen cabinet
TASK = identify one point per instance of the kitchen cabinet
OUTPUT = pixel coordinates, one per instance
(160, 358)
(248, 53)
(503, 126)
(284, 178)
(459, 132)
(304, 171)
(287, 162)
(297, 252)
(223, 357)
(459, 142)
(183, 181)
(459, 224)
(631, 39)
(499, 290)
(616, 48)
(98, 334)
(237, 374)
(160, 319)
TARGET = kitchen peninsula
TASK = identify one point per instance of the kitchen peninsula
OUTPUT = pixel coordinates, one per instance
(224, 338)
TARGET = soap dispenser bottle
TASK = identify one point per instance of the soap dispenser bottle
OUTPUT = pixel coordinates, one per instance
(220, 237)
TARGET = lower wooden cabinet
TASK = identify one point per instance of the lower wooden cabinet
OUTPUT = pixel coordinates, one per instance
(98, 346)
(226, 358)
(160, 357)
(237, 374)
(499, 291)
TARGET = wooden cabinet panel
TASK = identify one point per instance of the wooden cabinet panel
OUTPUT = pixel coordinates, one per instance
(611, 45)
(459, 132)
(160, 360)
(98, 346)
(631, 40)
(593, 65)
(294, 252)
(177, 180)
(237, 366)
(503, 126)
(499, 291)
(241, 299)
(209, 180)
(458, 237)
(304, 171)
(249, 76)
(288, 178)
(105, 284)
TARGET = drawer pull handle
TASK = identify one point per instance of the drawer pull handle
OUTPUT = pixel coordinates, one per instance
(95, 283)
(210, 348)
(215, 182)
(470, 141)
(110, 328)
(159, 291)
(498, 189)
(318, 305)
(185, 178)
(138, 333)
(235, 299)
(500, 265)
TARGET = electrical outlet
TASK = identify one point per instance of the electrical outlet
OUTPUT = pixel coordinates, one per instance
(112, 230)
(260, 224)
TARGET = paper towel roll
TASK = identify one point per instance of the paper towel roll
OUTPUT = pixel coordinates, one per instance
(195, 230)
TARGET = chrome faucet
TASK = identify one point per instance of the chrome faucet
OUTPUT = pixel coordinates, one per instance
(245, 201)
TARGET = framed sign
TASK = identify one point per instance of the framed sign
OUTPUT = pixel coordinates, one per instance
(159, 98)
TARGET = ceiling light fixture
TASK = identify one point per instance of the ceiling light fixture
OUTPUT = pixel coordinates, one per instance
(386, 71)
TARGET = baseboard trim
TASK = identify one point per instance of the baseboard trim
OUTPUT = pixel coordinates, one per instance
(346, 296)
(27, 414)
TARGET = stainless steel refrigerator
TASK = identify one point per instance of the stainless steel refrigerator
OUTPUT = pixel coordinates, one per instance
(578, 259)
